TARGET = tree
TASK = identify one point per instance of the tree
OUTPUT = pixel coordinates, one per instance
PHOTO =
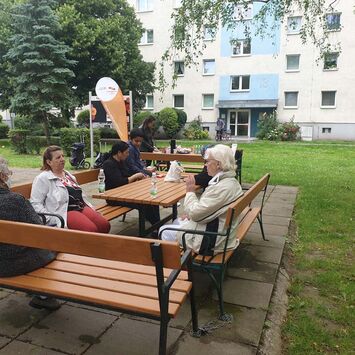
(169, 120)
(193, 17)
(38, 63)
(103, 37)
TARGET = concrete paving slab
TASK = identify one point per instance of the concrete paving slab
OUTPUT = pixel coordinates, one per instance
(21, 348)
(96, 309)
(285, 198)
(4, 341)
(132, 337)
(269, 229)
(275, 209)
(4, 293)
(70, 329)
(246, 293)
(260, 253)
(273, 241)
(293, 190)
(276, 220)
(244, 266)
(16, 315)
(211, 346)
(246, 326)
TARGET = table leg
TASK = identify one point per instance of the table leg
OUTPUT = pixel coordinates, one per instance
(141, 217)
(175, 211)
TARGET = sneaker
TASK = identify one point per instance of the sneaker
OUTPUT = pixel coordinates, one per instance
(44, 302)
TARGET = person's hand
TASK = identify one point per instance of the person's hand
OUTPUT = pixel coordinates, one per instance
(184, 217)
(151, 168)
(190, 183)
(156, 150)
(135, 177)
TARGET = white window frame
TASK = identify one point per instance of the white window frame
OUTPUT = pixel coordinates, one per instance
(327, 24)
(328, 106)
(242, 13)
(241, 43)
(336, 61)
(146, 106)
(203, 102)
(292, 70)
(203, 67)
(144, 38)
(240, 83)
(294, 31)
(147, 5)
(183, 67)
(289, 106)
(174, 96)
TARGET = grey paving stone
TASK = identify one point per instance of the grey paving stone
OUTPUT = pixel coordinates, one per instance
(133, 337)
(96, 309)
(269, 229)
(4, 340)
(276, 220)
(246, 326)
(284, 198)
(276, 209)
(209, 345)
(246, 293)
(20, 348)
(285, 189)
(69, 329)
(245, 266)
(255, 238)
(260, 253)
(16, 315)
(4, 293)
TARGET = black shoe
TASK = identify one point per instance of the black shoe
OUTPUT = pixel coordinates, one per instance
(47, 303)
(154, 235)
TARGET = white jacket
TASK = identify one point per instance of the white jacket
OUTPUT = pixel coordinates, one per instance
(50, 195)
(212, 204)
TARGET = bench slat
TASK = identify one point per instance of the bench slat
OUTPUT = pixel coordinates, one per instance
(87, 294)
(247, 222)
(110, 274)
(105, 284)
(117, 265)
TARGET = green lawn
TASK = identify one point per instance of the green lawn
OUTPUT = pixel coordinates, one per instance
(321, 309)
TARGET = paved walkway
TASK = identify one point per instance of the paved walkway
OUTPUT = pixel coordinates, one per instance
(77, 329)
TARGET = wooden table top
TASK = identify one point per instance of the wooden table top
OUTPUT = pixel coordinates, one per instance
(191, 158)
(169, 193)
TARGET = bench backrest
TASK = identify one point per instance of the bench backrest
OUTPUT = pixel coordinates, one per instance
(111, 247)
(245, 200)
(83, 177)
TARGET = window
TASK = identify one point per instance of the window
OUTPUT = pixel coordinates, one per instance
(149, 102)
(179, 68)
(331, 60)
(178, 101)
(294, 24)
(209, 66)
(209, 34)
(328, 99)
(179, 34)
(241, 47)
(147, 37)
(333, 21)
(292, 62)
(326, 130)
(207, 101)
(242, 12)
(291, 99)
(240, 82)
(144, 5)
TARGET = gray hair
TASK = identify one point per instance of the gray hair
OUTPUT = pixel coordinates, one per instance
(4, 168)
(223, 154)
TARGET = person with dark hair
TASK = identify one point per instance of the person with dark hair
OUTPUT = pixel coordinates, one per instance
(134, 162)
(19, 260)
(117, 174)
(55, 190)
(147, 128)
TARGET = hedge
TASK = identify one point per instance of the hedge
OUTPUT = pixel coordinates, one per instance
(4, 130)
(68, 136)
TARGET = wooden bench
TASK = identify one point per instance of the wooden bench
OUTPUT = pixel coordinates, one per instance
(83, 177)
(137, 276)
(247, 209)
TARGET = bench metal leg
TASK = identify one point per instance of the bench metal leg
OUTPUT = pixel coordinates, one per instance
(260, 220)
(124, 217)
(163, 335)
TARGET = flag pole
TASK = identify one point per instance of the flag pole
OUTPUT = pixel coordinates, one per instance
(91, 134)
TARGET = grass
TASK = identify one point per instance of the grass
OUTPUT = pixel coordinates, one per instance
(321, 304)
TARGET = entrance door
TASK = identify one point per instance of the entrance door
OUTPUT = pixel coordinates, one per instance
(239, 123)
(232, 122)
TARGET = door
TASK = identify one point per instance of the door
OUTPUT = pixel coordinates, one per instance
(243, 126)
(232, 122)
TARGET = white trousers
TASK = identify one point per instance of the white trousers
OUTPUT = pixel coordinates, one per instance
(170, 234)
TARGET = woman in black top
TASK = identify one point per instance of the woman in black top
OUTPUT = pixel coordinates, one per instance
(147, 128)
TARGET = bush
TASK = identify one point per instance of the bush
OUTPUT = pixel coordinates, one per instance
(68, 136)
(1, 118)
(140, 117)
(18, 139)
(290, 131)
(83, 118)
(4, 130)
(106, 132)
(195, 131)
(35, 143)
(182, 117)
(169, 120)
(267, 124)
(23, 122)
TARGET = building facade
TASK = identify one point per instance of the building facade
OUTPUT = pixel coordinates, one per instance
(239, 78)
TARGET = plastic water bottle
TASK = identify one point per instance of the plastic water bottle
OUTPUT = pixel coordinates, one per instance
(101, 181)
(153, 187)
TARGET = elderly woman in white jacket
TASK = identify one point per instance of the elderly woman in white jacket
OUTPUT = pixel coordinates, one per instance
(55, 190)
(208, 211)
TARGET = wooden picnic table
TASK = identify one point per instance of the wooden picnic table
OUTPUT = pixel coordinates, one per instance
(138, 193)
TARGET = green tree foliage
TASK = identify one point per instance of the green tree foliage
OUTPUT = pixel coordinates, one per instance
(182, 117)
(103, 37)
(83, 118)
(140, 117)
(195, 131)
(169, 120)
(38, 63)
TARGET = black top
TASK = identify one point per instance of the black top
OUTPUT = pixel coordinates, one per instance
(147, 143)
(116, 173)
(203, 178)
(18, 260)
